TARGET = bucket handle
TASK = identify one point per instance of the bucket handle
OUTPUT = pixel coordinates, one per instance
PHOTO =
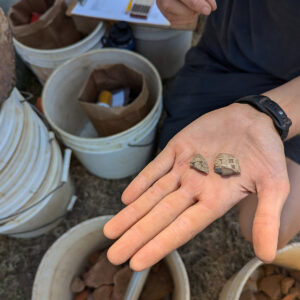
(141, 145)
(28, 96)
(69, 208)
(64, 177)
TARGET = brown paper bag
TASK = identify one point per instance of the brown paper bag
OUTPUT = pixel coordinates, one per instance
(109, 121)
(53, 30)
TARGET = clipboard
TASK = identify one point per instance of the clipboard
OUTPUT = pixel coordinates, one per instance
(117, 10)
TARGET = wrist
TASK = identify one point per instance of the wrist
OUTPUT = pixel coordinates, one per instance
(290, 107)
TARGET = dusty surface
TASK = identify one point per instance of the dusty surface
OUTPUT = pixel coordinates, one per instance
(210, 258)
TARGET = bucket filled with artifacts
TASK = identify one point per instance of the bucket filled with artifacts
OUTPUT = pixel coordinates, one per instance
(45, 37)
(35, 186)
(111, 142)
(256, 280)
(76, 266)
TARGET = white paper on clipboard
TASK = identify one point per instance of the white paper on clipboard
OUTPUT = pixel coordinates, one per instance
(116, 10)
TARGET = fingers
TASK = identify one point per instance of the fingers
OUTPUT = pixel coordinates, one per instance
(152, 172)
(139, 208)
(184, 228)
(149, 226)
(175, 11)
(201, 6)
(266, 223)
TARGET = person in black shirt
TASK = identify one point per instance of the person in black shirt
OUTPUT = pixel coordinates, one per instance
(249, 47)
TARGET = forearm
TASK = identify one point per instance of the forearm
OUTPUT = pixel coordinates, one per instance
(288, 97)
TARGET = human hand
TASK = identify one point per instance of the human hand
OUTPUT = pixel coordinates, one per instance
(169, 202)
(185, 12)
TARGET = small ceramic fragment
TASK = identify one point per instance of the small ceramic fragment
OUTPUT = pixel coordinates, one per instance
(285, 284)
(101, 273)
(82, 296)
(227, 164)
(271, 286)
(199, 163)
(121, 281)
(291, 297)
(247, 295)
(103, 292)
(295, 274)
(77, 285)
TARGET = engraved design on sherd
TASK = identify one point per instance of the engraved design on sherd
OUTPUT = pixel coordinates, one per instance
(226, 164)
(199, 163)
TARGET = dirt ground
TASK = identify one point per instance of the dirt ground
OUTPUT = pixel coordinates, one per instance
(211, 258)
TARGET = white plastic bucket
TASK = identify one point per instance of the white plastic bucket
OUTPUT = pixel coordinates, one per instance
(15, 192)
(11, 123)
(288, 257)
(43, 62)
(52, 201)
(35, 189)
(165, 48)
(68, 256)
(112, 157)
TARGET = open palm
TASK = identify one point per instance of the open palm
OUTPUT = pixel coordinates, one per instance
(168, 203)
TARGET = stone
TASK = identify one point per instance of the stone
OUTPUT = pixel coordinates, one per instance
(285, 284)
(295, 274)
(247, 295)
(261, 296)
(121, 281)
(270, 270)
(77, 285)
(82, 295)
(270, 285)
(199, 163)
(159, 284)
(292, 296)
(7, 59)
(103, 292)
(101, 273)
(227, 164)
(251, 285)
(257, 274)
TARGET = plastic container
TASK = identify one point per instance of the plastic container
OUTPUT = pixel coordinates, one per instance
(35, 188)
(43, 62)
(288, 257)
(165, 48)
(68, 256)
(112, 157)
(11, 122)
(57, 194)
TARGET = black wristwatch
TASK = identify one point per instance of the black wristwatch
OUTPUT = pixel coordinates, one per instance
(272, 109)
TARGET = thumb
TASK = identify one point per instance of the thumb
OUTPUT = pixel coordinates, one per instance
(271, 198)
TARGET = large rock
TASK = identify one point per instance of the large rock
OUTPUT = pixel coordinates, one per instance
(7, 59)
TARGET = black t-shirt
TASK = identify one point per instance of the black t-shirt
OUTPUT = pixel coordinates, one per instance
(257, 36)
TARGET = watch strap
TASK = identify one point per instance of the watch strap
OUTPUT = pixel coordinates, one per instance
(264, 104)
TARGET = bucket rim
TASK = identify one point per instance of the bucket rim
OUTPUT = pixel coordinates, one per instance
(14, 130)
(37, 172)
(63, 133)
(101, 220)
(47, 185)
(57, 51)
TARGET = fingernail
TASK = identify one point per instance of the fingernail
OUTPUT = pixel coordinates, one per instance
(206, 10)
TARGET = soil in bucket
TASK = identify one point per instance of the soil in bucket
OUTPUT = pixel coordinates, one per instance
(271, 282)
(103, 281)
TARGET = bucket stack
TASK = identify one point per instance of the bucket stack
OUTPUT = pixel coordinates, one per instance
(35, 187)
